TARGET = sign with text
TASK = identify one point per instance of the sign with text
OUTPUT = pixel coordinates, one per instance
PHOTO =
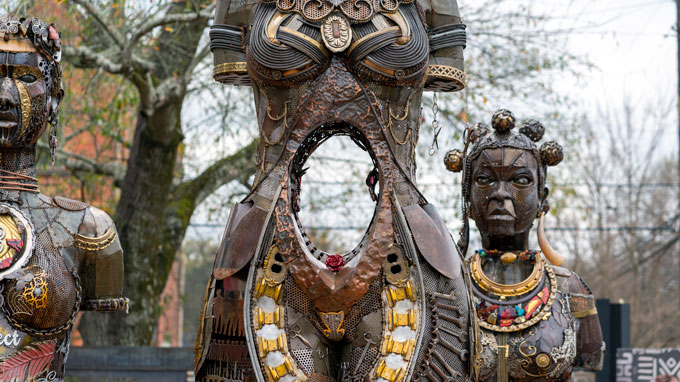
(643, 365)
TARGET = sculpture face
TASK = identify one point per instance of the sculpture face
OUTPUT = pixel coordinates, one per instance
(25, 100)
(504, 197)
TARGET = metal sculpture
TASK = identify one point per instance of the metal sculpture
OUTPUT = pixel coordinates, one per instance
(396, 308)
(537, 320)
(57, 256)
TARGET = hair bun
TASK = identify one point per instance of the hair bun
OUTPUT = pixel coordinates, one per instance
(477, 131)
(533, 129)
(503, 121)
(551, 153)
(453, 160)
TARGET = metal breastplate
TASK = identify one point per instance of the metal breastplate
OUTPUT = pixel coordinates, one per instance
(531, 336)
(411, 324)
(39, 295)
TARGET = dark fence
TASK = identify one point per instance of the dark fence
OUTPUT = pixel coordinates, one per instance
(128, 364)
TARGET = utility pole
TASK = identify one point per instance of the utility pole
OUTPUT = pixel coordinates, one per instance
(677, 36)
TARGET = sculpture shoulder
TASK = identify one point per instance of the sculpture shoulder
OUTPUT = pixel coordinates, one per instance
(97, 225)
(100, 258)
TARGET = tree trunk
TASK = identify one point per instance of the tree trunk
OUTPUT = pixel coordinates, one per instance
(140, 221)
(152, 166)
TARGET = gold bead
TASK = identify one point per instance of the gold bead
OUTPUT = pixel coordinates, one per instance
(508, 258)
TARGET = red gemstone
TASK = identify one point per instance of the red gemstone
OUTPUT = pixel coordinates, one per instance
(335, 262)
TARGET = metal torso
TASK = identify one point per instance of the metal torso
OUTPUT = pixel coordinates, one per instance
(40, 298)
(60, 264)
(399, 308)
(531, 335)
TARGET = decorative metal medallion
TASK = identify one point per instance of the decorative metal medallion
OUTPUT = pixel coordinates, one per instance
(336, 33)
(16, 240)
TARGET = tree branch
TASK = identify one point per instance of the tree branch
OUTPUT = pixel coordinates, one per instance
(84, 57)
(169, 90)
(76, 162)
(238, 166)
(150, 25)
(198, 58)
(100, 18)
(189, 194)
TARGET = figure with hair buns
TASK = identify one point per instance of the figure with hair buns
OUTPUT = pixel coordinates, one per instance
(538, 320)
(57, 256)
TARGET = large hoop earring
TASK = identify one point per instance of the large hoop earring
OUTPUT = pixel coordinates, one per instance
(553, 256)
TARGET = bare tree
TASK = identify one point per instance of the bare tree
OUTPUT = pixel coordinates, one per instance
(630, 197)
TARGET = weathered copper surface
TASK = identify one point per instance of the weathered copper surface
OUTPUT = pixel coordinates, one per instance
(337, 96)
(362, 315)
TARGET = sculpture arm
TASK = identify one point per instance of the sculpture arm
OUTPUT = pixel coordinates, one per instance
(100, 259)
(447, 40)
(590, 347)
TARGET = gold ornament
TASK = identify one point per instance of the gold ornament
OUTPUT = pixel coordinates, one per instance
(333, 322)
(543, 360)
(545, 312)
(25, 100)
(508, 258)
(505, 290)
(16, 239)
(35, 291)
(453, 160)
(96, 243)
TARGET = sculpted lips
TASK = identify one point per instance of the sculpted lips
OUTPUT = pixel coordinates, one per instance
(8, 119)
(504, 210)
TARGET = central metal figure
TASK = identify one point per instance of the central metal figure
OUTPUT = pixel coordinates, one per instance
(395, 308)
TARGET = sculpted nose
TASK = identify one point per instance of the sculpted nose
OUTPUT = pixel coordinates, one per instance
(6, 94)
(501, 192)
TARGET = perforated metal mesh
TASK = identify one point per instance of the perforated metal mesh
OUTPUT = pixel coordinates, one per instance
(357, 9)
(304, 360)
(46, 301)
(369, 303)
(368, 361)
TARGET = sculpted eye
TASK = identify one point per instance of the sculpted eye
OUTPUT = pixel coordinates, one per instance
(483, 180)
(27, 78)
(522, 180)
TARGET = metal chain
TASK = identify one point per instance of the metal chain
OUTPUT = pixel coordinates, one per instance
(435, 126)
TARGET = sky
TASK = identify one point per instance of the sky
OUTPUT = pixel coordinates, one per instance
(632, 45)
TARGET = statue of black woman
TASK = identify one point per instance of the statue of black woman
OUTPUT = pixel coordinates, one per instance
(396, 308)
(538, 321)
(57, 256)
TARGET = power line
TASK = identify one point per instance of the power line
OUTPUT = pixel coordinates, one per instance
(569, 184)
(453, 229)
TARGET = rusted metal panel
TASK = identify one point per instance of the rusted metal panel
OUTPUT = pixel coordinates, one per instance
(246, 221)
(433, 239)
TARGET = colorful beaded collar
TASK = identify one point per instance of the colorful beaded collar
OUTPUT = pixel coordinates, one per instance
(527, 308)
